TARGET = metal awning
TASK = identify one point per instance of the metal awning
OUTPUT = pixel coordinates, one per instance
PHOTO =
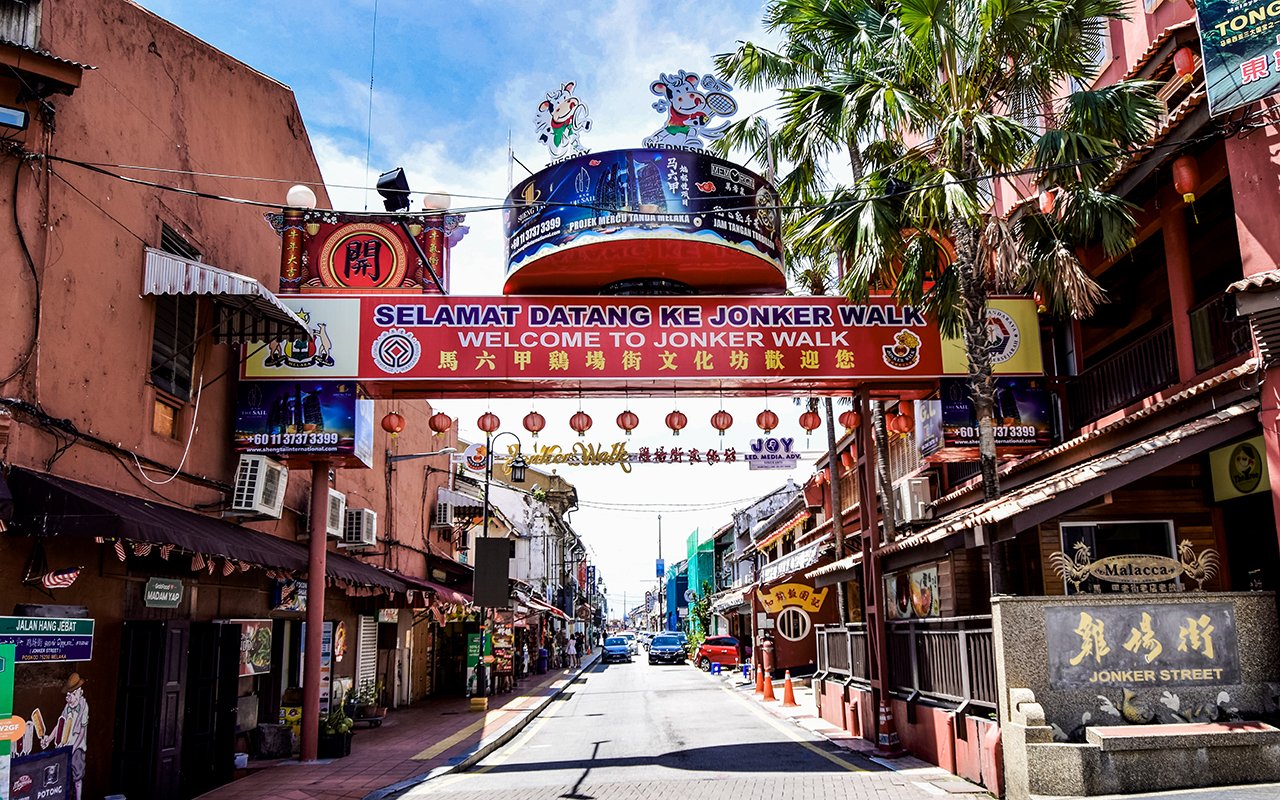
(247, 311)
(57, 506)
(543, 605)
(1073, 487)
(846, 569)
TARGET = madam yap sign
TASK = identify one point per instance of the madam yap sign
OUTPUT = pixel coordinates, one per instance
(472, 345)
(1238, 40)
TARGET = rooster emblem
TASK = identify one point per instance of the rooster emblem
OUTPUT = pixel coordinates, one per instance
(1199, 567)
(1073, 570)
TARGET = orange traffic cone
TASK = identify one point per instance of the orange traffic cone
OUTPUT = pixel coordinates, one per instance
(788, 691)
(759, 680)
(768, 690)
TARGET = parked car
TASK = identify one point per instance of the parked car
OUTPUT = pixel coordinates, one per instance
(681, 635)
(616, 648)
(630, 636)
(646, 638)
(667, 650)
(719, 650)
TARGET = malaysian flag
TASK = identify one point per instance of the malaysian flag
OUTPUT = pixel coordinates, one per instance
(60, 578)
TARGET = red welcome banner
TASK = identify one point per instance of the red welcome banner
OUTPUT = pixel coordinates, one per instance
(511, 345)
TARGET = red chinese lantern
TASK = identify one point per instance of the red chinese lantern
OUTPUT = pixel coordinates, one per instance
(850, 420)
(846, 458)
(1184, 61)
(1186, 177)
(580, 422)
(393, 423)
(889, 418)
(721, 420)
(1048, 199)
(440, 422)
(903, 423)
(534, 422)
(488, 422)
(628, 421)
(810, 421)
(767, 421)
(676, 421)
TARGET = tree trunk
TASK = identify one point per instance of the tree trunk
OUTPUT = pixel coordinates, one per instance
(973, 293)
(880, 434)
(837, 502)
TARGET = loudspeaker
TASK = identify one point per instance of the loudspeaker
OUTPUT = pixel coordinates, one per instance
(493, 572)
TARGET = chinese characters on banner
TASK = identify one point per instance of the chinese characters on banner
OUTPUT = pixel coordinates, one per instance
(497, 344)
(1188, 644)
(792, 594)
(1238, 40)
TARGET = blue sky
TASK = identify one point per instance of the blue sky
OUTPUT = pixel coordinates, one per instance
(450, 81)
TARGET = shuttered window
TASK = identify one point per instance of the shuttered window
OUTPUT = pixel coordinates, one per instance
(173, 341)
(367, 652)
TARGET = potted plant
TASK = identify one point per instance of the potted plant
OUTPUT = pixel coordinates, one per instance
(335, 733)
(366, 700)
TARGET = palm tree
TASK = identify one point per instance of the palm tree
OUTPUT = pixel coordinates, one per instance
(936, 100)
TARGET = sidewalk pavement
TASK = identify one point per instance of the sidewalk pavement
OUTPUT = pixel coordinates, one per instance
(805, 715)
(413, 744)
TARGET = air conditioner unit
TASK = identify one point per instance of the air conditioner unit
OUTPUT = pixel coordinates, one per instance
(335, 519)
(360, 528)
(260, 485)
(443, 517)
(913, 497)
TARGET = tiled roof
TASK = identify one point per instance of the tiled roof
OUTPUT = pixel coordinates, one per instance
(1259, 282)
(1010, 505)
(1157, 43)
(45, 54)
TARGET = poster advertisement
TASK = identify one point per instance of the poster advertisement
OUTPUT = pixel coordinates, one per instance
(289, 595)
(1024, 416)
(326, 663)
(304, 418)
(503, 643)
(913, 595)
(45, 775)
(473, 661)
(1239, 469)
(255, 646)
(1238, 44)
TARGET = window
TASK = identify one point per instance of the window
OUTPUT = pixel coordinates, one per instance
(793, 624)
(173, 340)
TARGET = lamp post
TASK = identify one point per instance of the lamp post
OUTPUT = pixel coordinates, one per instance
(410, 456)
(517, 466)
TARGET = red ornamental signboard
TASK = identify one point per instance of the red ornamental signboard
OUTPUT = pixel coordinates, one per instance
(480, 346)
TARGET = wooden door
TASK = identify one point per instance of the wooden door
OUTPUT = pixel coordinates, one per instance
(147, 757)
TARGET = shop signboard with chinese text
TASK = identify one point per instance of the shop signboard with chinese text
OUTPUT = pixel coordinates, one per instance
(41, 639)
(1183, 644)
(472, 346)
(304, 419)
(1238, 46)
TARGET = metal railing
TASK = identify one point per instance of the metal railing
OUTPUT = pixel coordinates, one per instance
(842, 650)
(1139, 370)
(1217, 334)
(951, 660)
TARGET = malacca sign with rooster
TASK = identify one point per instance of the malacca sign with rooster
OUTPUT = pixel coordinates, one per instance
(1136, 573)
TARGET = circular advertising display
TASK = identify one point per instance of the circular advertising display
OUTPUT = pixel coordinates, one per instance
(645, 214)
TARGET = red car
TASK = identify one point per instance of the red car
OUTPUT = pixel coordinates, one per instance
(722, 650)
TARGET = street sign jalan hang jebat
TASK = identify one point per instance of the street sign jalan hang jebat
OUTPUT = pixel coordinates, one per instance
(484, 346)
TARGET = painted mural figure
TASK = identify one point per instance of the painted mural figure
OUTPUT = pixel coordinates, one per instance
(561, 120)
(71, 729)
(690, 102)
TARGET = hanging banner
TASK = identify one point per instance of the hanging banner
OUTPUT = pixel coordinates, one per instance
(1238, 45)
(483, 346)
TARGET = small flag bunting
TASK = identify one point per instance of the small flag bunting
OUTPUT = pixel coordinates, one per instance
(165, 550)
(142, 549)
(228, 568)
(60, 578)
(197, 562)
(119, 548)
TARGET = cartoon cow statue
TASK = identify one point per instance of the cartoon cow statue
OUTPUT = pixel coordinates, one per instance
(690, 103)
(562, 118)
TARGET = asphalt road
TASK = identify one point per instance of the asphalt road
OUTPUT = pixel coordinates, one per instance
(638, 731)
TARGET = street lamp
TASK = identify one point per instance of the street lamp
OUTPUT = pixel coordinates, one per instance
(410, 456)
(517, 466)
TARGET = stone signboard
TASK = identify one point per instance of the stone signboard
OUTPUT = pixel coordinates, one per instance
(1184, 644)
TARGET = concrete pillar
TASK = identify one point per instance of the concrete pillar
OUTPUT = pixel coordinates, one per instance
(315, 610)
(1177, 257)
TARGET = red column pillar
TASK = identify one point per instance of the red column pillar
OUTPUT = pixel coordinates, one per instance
(291, 253)
(1177, 258)
(315, 610)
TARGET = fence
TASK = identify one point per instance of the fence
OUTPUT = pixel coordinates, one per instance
(949, 660)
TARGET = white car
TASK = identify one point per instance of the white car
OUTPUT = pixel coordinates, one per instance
(630, 636)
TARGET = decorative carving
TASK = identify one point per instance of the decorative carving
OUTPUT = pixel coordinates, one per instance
(1143, 570)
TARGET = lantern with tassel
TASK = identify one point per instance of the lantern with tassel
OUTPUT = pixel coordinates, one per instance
(393, 423)
(534, 422)
(488, 422)
(889, 419)
(846, 458)
(902, 423)
(1186, 177)
(721, 420)
(1184, 61)
(850, 420)
(676, 421)
(580, 422)
(767, 421)
(440, 422)
(628, 421)
(810, 421)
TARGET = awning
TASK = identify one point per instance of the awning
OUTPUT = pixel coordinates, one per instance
(543, 605)
(846, 569)
(731, 600)
(58, 506)
(783, 529)
(1073, 487)
(247, 311)
(794, 561)
(442, 592)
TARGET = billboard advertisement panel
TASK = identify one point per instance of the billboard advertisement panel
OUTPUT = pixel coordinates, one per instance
(297, 419)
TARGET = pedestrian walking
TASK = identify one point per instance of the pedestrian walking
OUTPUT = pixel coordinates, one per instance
(571, 650)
